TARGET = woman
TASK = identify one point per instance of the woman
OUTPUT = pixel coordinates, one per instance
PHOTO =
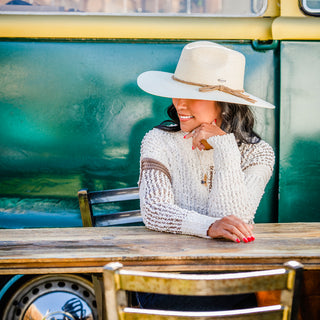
(204, 172)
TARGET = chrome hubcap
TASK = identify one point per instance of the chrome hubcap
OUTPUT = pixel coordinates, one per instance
(53, 297)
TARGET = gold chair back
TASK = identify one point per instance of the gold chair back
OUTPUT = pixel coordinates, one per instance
(119, 280)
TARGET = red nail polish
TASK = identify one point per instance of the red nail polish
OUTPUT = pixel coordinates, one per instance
(184, 137)
(245, 240)
(215, 120)
(238, 240)
(193, 147)
(253, 238)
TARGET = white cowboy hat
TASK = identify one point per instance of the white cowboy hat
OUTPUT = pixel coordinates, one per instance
(205, 71)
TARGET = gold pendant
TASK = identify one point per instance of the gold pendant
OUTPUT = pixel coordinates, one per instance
(204, 181)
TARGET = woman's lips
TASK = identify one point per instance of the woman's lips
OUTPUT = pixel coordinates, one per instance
(185, 118)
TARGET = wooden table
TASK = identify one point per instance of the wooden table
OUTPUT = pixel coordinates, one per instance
(87, 250)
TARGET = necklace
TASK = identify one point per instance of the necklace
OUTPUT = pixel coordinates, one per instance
(206, 175)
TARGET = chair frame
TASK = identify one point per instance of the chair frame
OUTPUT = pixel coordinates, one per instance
(118, 280)
(88, 199)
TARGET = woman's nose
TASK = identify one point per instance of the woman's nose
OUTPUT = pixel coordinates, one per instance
(181, 103)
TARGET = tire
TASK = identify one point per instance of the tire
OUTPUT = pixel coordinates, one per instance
(59, 296)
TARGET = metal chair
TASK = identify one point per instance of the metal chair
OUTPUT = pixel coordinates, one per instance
(88, 199)
(118, 280)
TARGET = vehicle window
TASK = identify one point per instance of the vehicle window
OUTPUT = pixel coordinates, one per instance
(242, 8)
(311, 7)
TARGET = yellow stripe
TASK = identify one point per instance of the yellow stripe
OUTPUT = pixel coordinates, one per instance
(286, 28)
(106, 27)
(292, 25)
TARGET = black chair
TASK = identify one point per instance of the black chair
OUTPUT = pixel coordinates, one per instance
(88, 199)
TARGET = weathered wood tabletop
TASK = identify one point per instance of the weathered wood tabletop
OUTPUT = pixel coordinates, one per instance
(87, 250)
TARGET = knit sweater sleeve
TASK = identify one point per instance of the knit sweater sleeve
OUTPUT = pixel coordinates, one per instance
(240, 177)
(160, 213)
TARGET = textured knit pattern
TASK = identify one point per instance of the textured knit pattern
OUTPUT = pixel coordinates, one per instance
(184, 205)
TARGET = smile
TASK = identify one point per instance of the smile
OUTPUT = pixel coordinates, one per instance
(185, 117)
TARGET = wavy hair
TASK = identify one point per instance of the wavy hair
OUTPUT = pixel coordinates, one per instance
(236, 118)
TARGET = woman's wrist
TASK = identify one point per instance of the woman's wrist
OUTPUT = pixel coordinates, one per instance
(221, 141)
(226, 152)
(209, 229)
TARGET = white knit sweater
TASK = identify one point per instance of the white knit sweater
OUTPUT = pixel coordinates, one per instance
(173, 199)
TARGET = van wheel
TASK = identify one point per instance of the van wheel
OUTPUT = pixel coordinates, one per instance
(60, 297)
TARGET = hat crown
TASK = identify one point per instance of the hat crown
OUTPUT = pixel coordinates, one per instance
(208, 63)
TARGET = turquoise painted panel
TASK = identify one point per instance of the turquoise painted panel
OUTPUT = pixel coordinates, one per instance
(73, 117)
(299, 173)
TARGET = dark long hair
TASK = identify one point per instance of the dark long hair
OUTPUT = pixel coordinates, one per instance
(236, 118)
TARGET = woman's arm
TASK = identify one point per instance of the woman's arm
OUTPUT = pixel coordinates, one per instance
(161, 214)
(239, 183)
(240, 178)
(157, 204)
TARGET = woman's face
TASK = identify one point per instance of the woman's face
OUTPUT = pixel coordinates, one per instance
(192, 113)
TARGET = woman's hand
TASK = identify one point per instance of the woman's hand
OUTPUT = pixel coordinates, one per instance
(232, 228)
(200, 134)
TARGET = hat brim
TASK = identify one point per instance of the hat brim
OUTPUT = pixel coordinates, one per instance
(161, 84)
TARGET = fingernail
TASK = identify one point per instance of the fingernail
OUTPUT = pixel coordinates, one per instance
(193, 147)
(253, 238)
(245, 240)
(215, 120)
(184, 137)
(238, 240)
